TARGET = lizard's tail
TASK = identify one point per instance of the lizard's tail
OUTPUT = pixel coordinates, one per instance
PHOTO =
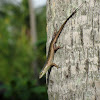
(61, 28)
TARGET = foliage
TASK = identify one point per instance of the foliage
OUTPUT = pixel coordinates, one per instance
(23, 89)
(16, 53)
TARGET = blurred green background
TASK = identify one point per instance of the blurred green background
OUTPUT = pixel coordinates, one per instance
(18, 77)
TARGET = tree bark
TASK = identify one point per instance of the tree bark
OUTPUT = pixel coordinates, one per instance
(78, 77)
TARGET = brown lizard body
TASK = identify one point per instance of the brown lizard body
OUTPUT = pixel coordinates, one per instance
(52, 48)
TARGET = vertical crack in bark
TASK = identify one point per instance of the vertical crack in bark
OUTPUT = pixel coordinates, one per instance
(98, 23)
(69, 70)
(98, 60)
(83, 96)
(92, 33)
(79, 56)
(93, 39)
(93, 85)
(72, 39)
(81, 35)
(71, 94)
(87, 70)
(87, 53)
(95, 94)
(74, 96)
(77, 67)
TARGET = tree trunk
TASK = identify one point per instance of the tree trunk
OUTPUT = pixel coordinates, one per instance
(78, 77)
(33, 35)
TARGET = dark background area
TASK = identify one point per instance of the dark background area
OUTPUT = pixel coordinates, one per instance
(17, 80)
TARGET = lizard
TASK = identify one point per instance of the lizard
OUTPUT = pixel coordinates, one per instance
(52, 48)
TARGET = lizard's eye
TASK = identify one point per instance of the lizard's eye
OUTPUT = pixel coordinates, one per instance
(40, 74)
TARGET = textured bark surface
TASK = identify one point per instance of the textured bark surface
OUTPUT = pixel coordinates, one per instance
(78, 77)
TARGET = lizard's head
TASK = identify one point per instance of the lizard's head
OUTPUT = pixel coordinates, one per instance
(44, 70)
(42, 73)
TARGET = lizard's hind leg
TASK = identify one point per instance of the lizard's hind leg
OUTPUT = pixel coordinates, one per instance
(49, 71)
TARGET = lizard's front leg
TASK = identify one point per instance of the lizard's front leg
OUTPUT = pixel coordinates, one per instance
(53, 64)
(56, 48)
